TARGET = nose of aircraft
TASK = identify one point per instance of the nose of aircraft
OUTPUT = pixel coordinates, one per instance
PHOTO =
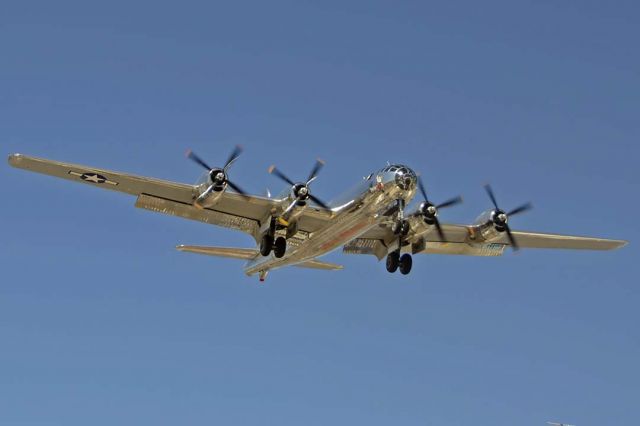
(405, 178)
(400, 176)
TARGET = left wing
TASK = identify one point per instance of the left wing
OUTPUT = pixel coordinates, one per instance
(243, 213)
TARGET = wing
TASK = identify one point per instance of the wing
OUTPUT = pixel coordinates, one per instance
(468, 240)
(557, 241)
(232, 211)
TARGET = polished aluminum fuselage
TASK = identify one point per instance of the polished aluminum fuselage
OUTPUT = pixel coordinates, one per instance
(353, 214)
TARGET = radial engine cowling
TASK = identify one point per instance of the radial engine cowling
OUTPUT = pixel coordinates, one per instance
(215, 182)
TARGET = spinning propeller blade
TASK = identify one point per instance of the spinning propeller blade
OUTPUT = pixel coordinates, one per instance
(501, 218)
(306, 194)
(429, 211)
(215, 172)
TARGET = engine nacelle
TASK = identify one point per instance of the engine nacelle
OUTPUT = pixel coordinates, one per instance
(210, 189)
(491, 224)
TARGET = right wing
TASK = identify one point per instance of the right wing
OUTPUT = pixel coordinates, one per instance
(557, 241)
(467, 240)
(232, 211)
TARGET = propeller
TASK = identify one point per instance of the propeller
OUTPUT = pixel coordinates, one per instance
(301, 189)
(218, 175)
(429, 211)
(500, 218)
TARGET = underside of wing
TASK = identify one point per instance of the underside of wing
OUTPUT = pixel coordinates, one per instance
(467, 240)
(557, 241)
(106, 179)
(235, 211)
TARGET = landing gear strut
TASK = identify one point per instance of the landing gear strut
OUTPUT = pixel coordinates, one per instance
(401, 228)
(401, 225)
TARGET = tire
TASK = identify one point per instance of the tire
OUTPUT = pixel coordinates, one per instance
(280, 247)
(392, 261)
(266, 244)
(406, 262)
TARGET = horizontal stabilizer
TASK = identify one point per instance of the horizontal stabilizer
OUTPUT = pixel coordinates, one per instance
(247, 254)
(232, 252)
(317, 264)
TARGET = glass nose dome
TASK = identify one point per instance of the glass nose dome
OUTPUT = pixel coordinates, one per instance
(405, 177)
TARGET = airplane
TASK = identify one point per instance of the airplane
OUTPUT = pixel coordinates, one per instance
(296, 227)
(558, 424)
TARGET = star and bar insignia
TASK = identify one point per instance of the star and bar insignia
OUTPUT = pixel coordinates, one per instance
(93, 177)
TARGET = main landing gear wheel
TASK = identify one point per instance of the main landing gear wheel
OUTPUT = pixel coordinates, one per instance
(280, 247)
(393, 260)
(266, 244)
(405, 263)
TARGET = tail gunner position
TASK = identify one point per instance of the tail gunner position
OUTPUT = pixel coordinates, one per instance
(296, 227)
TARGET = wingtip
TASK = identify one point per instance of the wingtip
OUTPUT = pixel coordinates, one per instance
(14, 159)
(621, 244)
(271, 168)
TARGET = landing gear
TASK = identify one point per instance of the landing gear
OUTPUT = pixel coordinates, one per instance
(401, 227)
(405, 263)
(269, 242)
(280, 247)
(266, 244)
(395, 261)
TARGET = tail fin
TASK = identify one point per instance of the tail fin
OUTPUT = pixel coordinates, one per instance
(246, 254)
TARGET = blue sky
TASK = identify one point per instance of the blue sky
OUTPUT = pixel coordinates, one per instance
(103, 322)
